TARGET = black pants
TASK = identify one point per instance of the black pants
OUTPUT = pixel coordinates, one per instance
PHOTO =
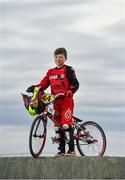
(62, 140)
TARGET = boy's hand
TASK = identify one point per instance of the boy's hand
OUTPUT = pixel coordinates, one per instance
(30, 89)
(69, 93)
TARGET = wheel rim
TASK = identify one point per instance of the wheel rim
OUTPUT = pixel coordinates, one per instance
(94, 144)
(38, 137)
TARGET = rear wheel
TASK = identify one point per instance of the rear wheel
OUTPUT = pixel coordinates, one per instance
(37, 136)
(91, 139)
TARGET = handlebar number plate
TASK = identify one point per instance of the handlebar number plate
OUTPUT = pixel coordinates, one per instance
(47, 98)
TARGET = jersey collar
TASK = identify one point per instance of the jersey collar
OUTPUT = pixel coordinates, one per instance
(58, 67)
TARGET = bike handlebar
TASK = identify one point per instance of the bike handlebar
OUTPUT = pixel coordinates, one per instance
(56, 96)
(59, 95)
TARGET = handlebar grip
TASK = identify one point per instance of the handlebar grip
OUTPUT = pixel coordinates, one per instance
(30, 89)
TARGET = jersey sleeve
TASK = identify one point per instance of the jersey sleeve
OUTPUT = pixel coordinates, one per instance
(44, 83)
(74, 84)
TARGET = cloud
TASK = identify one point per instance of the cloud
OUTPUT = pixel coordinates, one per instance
(99, 15)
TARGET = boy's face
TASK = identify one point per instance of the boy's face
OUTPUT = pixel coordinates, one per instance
(59, 59)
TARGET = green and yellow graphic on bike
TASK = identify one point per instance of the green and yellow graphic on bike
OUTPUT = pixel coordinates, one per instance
(47, 98)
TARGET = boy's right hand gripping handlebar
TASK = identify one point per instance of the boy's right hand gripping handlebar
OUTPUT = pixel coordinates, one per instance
(30, 89)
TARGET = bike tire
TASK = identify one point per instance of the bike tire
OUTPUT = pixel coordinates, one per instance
(39, 120)
(92, 124)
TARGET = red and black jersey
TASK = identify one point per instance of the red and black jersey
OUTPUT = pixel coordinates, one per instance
(60, 80)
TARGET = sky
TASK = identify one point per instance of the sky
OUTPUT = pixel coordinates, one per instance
(92, 31)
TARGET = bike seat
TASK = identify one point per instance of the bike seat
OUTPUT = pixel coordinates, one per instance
(77, 119)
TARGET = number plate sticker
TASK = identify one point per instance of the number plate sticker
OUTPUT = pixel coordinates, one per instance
(47, 98)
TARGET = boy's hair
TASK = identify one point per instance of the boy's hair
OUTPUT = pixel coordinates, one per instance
(61, 51)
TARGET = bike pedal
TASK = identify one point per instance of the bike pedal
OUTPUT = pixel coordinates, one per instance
(55, 140)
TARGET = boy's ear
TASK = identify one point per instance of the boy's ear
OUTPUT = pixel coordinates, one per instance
(65, 58)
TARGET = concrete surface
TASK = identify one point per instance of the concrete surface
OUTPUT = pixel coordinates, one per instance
(62, 168)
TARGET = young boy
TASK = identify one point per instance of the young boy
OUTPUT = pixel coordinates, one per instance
(62, 79)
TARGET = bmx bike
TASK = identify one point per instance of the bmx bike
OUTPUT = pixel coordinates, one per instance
(89, 137)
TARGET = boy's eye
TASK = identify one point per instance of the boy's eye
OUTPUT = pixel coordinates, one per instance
(58, 57)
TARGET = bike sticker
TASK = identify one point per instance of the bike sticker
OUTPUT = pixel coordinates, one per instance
(68, 114)
(47, 98)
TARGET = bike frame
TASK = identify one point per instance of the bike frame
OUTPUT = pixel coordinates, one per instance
(77, 126)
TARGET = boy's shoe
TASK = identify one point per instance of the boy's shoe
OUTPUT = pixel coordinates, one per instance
(60, 153)
(70, 153)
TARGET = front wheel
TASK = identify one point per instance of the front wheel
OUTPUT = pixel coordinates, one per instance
(91, 139)
(37, 136)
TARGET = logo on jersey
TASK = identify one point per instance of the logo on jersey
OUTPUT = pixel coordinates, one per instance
(68, 115)
(60, 76)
